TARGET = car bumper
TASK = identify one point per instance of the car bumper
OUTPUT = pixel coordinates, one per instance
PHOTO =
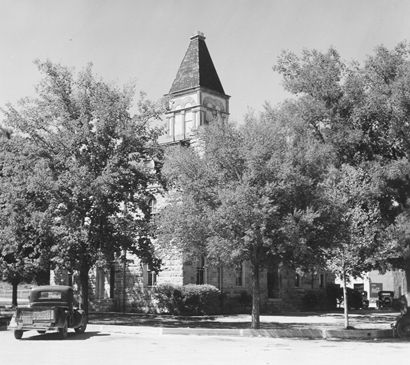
(34, 326)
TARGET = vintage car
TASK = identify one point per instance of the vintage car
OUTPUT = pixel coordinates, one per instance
(51, 308)
(355, 298)
(385, 299)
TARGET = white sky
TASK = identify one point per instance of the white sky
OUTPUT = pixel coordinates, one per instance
(145, 40)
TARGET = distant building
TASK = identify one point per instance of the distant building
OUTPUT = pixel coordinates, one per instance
(373, 282)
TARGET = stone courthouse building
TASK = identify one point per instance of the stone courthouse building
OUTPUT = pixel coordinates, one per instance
(196, 97)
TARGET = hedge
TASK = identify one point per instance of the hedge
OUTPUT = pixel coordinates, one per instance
(188, 299)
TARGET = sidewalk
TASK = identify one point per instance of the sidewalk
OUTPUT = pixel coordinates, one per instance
(367, 325)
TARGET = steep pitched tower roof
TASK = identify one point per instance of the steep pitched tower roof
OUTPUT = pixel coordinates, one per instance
(196, 96)
(197, 69)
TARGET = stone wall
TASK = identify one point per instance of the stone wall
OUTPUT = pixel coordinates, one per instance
(132, 291)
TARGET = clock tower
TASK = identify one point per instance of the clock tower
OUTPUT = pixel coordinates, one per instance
(196, 96)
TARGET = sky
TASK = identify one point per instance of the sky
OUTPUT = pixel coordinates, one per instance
(144, 41)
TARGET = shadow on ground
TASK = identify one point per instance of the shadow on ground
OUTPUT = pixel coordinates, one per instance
(287, 321)
(54, 336)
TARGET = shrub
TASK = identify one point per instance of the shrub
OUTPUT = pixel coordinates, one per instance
(321, 299)
(310, 300)
(169, 298)
(245, 299)
(200, 299)
(334, 295)
(176, 299)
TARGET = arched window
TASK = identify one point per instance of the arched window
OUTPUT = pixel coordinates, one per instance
(153, 205)
(297, 280)
(321, 280)
(151, 276)
(239, 275)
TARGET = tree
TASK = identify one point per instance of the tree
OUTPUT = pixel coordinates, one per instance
(362, 111)
(395, 183)
(352, 196)
(245, 194)
(101, 166)
(25, 235)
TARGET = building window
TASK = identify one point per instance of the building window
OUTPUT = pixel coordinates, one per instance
(220, 277)
(321, 280)
(239, 275)
(200, 271)
(153, 205)
(297, 280)
(151, 276)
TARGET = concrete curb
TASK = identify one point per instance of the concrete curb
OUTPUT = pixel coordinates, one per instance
(358, 334)
(301, 333)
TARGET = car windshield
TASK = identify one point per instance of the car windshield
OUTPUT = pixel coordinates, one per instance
(49, 296)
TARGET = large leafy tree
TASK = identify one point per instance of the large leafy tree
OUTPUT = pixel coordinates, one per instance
(246, 193)
(24, 223)
(100, 166)
(362, 111)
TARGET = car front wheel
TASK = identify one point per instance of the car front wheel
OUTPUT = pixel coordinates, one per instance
(83, 327)
(63, 331)
(80, 329)
(403, 327)
(18, 334)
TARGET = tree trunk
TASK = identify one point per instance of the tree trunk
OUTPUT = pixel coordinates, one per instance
(70, 278)
(112, 280)
(221, 287)
(14, 294)
(346, 304)
(407, 272)
(255, 297)
(84, 286)
(124, 281)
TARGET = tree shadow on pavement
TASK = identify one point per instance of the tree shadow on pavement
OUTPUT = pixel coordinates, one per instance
(55, 336)
(226, 322)
(120, 319)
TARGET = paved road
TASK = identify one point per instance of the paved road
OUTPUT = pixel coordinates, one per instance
(103, 348)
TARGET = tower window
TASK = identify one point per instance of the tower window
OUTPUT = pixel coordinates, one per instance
(170, 126)
(189, 122)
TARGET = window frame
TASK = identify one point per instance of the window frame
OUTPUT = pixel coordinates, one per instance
(200, 271)
(239, 275)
